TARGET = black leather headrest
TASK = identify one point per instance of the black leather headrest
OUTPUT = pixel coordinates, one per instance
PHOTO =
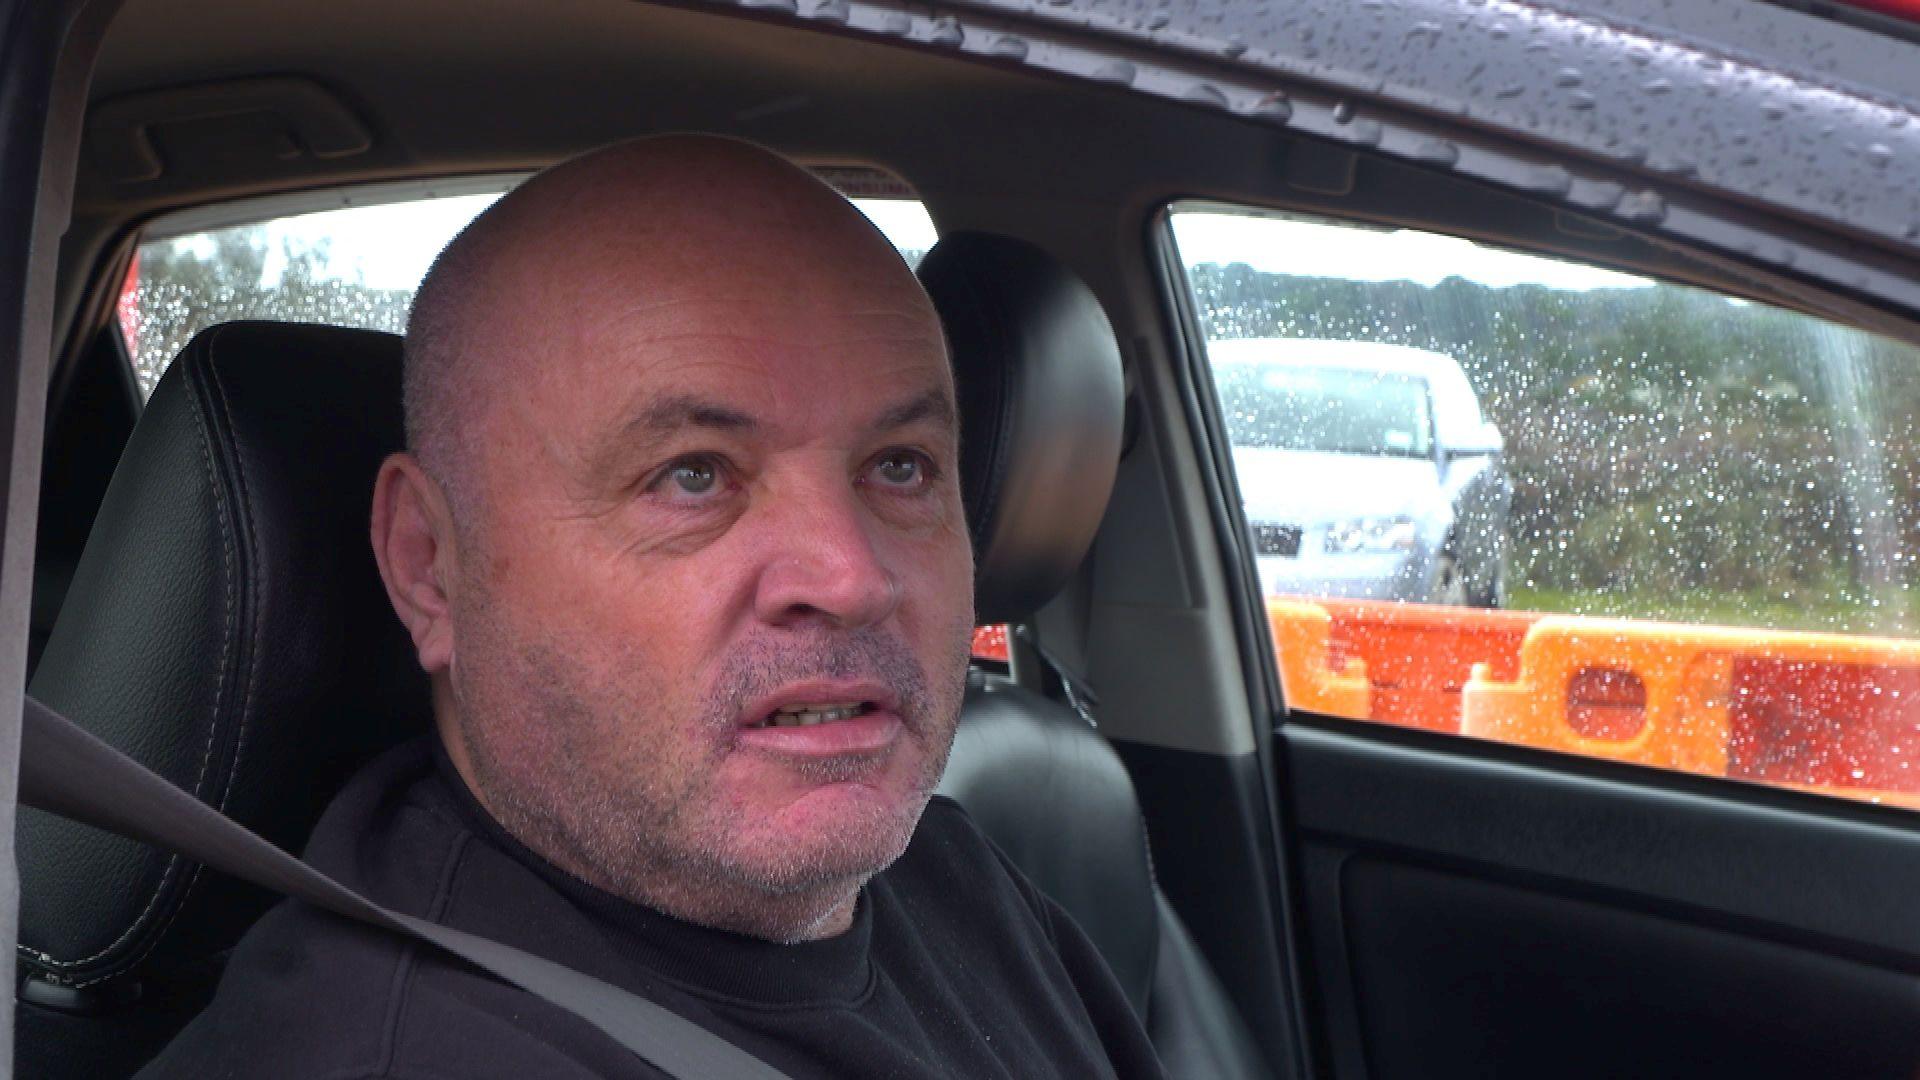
(1040, 385)
(227, 628)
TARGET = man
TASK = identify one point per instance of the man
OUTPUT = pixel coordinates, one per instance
(679, 542)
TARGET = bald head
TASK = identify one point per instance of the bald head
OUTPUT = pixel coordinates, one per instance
(685, 459)
(637, 228)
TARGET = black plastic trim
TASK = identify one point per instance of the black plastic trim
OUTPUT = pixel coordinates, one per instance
(1792, 867)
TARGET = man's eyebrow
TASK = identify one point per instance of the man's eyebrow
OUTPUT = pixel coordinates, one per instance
(657, 421)
(672, 413)
(936, 405)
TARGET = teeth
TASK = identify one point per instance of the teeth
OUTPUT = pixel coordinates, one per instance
(807, 716)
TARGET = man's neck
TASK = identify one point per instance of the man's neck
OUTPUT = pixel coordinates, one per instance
(811, 914)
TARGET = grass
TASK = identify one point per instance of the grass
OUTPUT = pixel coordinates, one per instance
(1890, 613)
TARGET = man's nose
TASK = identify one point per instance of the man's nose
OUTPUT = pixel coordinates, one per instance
(823, 562)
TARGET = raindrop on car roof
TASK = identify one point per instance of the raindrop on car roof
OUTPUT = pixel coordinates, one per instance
(1206, 94)
(1343, 113)
(1437, 151)
(897, 24)
(1601, 196)
(1645, 206)
(1158, 20)
(1366, 132)
(1009, 47)
(1274, 106)
(1880, 154)
(836, 11)
(947, 31)
(1567, 77)
(1233, 48)
(1116, 71)
(1657, 86)
(1547, 179)
(1672, 166)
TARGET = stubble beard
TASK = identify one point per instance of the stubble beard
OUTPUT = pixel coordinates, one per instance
(582, 775)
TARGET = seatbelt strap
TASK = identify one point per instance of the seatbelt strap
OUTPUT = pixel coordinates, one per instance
(66, 771)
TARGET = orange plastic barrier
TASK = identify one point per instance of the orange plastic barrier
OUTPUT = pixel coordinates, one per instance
(990, 642)
(1418, 657)
(1312, 677)
(1830, 713)
(1670, 695)
(1825, 724)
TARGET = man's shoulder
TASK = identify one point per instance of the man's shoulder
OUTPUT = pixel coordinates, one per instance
(311, 996)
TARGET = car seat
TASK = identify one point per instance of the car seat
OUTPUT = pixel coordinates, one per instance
(226, 627)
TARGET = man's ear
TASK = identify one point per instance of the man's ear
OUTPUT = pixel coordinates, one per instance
(413, 541)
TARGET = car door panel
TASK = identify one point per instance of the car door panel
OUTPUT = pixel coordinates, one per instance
(1485, 914)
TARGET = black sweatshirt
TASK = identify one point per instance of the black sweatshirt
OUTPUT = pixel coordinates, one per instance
(954, 965)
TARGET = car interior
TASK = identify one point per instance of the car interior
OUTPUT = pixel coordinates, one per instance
(1282, 891)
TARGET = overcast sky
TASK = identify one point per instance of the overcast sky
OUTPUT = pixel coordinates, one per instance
(391, 246)
(1282, 246)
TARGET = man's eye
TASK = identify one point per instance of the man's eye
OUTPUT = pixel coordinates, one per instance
(902, 469)
(694, 477)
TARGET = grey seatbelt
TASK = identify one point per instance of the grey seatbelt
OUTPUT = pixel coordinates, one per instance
(66, 771)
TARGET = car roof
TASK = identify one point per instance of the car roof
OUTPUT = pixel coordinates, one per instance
(1377, 356)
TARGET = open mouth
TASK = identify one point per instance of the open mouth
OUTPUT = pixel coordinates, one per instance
(811, 714)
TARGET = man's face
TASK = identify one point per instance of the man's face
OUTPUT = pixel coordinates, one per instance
(712, 619)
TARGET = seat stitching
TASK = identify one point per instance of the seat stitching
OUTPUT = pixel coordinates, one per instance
(219, 689)
(244, 519)
(218, 390)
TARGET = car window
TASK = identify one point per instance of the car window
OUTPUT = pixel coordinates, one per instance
(352, 266)
(1546, 503)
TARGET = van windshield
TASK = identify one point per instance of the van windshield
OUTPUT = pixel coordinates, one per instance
(1329, 410)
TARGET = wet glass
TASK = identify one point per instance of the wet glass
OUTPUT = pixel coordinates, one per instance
(357, 266)
(1652, 523)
